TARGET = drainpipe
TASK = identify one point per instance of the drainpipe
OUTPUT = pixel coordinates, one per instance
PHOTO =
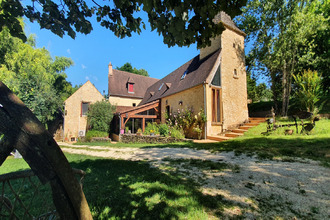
(205, 110)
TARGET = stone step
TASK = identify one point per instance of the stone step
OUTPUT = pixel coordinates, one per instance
(232, 134)
(258, 119)
(251, 124)
(245, 127)
(218, 138)
(239, 130)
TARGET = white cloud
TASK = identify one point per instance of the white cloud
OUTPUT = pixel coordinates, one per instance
(95, 78)
(83, 66)
(68, 51)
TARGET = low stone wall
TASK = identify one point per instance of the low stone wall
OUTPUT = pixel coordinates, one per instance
(132, 138)
(100, 139)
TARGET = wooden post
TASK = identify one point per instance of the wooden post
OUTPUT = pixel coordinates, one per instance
(20, 129)
(143, 124)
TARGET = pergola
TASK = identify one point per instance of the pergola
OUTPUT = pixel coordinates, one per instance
(140, 112)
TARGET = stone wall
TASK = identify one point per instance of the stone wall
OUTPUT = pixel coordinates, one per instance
(191, 98)
(132, 138)
(122, 101)
(73, 120)
(234, 89)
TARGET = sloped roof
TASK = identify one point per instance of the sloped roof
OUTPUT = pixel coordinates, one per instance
(83, 87)
(196, 73)
(227, 21)
(118, 84)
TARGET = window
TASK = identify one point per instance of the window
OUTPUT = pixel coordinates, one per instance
(217, 78)
(84, 108)
(216, 105)
(184, 74)
(134, 104)
(235, 73)
(130, 87)
(168, 110)
(161, 86)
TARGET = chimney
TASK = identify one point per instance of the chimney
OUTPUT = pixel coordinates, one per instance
(110, 69)
(228, 23)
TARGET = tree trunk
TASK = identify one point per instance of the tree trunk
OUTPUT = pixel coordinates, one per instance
(20, 129)
(285, 93)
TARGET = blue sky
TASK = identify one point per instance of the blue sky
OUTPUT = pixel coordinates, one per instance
(92, 53)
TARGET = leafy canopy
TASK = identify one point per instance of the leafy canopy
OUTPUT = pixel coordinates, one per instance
(32, 74)
(179, 22)
(288, 36)
(127, 67)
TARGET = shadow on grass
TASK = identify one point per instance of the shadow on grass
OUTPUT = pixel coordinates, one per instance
(126, 189)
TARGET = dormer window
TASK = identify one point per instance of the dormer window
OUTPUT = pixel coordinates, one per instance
(131, 87)
(161, 86)
(184, 74)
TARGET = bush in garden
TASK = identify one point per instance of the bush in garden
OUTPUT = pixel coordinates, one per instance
(164, 130)
(99, 115)
(175, 133)
(151, 127)
(94, 133)
(307, 89)
(187, 121)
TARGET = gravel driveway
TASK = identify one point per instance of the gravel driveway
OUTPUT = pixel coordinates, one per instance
(299, 189)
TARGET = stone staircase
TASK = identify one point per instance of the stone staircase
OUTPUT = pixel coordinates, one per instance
(237, 132)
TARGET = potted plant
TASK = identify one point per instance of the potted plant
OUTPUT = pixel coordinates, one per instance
(152, 133)
(127, 131)
(139, 132)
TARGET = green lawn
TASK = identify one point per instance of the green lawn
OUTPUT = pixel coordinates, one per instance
(315, 145)
(118, 189)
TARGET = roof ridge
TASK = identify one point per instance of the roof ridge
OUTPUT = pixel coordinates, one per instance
(134, 74)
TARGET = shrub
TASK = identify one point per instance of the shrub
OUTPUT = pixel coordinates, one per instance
(99, 115)
(94, 133)
(151, 127)
(176, 133)
(308, 89)
(164, 130)
(186, 120)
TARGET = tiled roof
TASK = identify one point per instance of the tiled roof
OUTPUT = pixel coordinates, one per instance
(118, 84)
(196, 71)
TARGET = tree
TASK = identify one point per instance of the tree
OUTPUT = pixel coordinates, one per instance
(180, 23)
(37, 79)
(99, 115)
(282, 32)
(128, 68)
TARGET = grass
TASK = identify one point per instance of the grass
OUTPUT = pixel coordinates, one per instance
(276, 145)
(118, 189)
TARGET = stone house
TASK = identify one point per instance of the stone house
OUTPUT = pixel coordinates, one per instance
(214, 80)
(126, 90)
(75, 111)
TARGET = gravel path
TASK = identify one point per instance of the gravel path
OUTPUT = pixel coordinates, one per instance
(257, 188)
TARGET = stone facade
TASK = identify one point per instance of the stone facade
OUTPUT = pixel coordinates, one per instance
(233, 89)
(233, 80)
(191, 98)
(75, 120)
(123, 101)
